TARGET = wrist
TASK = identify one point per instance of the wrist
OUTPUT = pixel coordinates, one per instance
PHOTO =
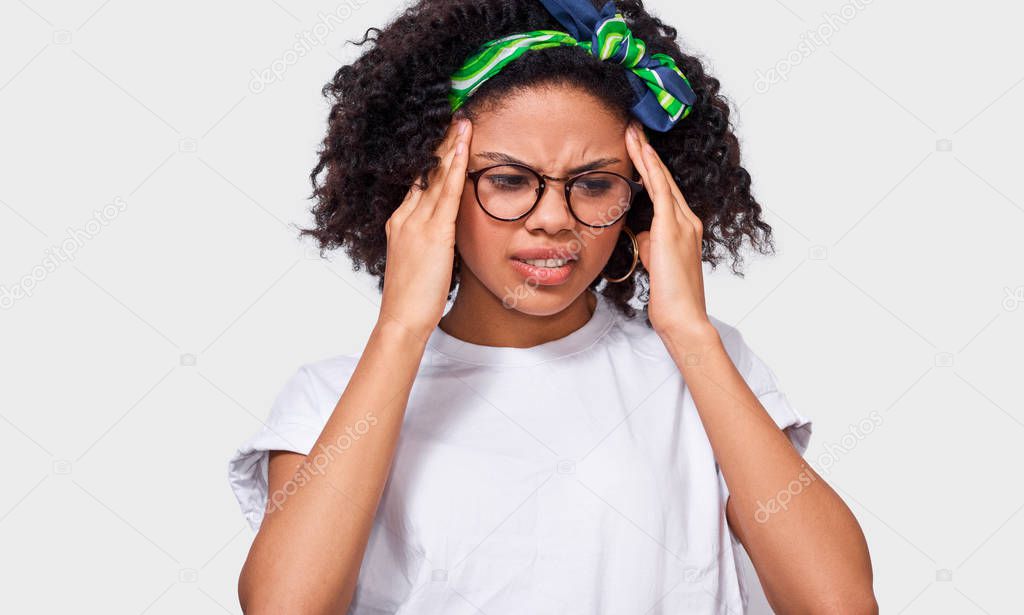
(691, 341)
(394, 330)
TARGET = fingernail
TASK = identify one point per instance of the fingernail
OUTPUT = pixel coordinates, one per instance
(462, 126)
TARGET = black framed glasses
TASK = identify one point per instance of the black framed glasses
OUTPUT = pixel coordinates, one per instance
(511, 191)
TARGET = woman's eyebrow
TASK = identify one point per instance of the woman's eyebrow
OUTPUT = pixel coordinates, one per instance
(502, 157)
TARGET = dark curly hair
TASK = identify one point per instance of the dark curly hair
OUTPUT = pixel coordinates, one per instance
(390, 111)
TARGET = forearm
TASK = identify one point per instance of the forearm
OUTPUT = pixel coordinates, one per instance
(307, 553)
(806, 545)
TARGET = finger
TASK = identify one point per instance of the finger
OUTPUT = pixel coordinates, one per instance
(435, 176)
(644, 166)
(450, 137)
(684, 213)
(454, 184)
(661, 193)
(681, 205)
(684, 216)
(442, 149)
(421, 184)
(633, 148)
(409, 202)
(673, 190)
(656, 167)
(437, 189)
(411, 199)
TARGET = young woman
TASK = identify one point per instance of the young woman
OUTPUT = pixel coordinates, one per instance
(576, 434)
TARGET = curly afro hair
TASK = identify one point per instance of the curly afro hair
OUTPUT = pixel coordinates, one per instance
(375, 149)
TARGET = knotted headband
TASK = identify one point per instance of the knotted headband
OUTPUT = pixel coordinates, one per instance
(662, 92)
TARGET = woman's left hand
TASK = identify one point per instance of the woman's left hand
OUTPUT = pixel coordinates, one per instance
(671, 250)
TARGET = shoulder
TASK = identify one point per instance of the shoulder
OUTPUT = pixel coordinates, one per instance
(764, 383)
(758, 375)
(735, 344)
(311, 392)
(303, 405)
(646, 343)
(331, 370)
(749, 361)
(724, 329)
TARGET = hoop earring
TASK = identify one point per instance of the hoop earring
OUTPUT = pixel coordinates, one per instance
(636, 257)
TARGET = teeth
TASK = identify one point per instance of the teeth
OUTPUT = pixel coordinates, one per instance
(546, 262)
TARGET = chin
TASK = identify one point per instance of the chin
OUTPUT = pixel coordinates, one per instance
(538, 300)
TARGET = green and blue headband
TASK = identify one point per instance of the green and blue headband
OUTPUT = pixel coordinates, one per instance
(662, 92)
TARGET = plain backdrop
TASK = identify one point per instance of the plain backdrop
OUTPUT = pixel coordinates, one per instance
(155, 296)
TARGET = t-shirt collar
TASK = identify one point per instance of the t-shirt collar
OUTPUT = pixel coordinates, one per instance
(456, 349)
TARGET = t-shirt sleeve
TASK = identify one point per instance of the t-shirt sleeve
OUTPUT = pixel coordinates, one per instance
(294, 424)
(766, 386)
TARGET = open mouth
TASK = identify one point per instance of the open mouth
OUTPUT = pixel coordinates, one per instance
(547, 263)
(544, 271)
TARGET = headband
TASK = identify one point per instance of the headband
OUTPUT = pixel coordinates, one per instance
(662, 92)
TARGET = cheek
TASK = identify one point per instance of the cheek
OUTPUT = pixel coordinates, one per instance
(479, 238)
(600, 243)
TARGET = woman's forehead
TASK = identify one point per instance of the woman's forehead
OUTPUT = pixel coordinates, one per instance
(551, 109)
(550, 133)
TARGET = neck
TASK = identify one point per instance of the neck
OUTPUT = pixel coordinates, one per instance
(477, 316)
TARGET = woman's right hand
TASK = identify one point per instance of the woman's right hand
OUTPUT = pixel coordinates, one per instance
(421, 241)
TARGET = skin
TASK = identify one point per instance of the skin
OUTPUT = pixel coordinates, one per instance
(562, 134)
(810, 557)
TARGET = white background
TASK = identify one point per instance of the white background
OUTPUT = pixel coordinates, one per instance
(887, 160)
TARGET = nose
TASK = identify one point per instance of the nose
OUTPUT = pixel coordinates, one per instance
(552, 213)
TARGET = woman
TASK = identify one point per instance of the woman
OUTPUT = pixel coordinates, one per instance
(541, 446)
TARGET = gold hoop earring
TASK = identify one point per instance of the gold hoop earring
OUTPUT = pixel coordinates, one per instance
(636, 257)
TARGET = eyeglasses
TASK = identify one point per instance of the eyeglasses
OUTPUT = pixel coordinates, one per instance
(597, 199)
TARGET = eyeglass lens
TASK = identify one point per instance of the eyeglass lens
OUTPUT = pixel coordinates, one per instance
(596, 198)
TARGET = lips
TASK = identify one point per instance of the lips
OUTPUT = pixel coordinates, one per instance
(543, 276)
(539, 274)
(545, 253)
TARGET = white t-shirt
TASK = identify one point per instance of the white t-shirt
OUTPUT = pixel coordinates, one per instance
(571, 477)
